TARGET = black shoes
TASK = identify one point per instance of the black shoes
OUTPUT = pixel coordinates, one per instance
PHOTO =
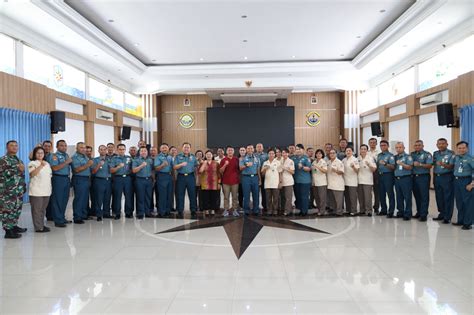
(423, 219)
(406, 219)
(12, 234)
(180, 216)
(446, 221)
(193, 215)
(150, 216)
(60, 225)
(389, 216)
(78, 221)
(456, 224)
(18, 229)
(117, 217)
(44, 230)
(466, 227)
(129, 216)
(107, 216)
(139, 217)
(99, 219)
(438, 218)
(416, 216)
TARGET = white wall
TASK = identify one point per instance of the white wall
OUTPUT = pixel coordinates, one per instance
(134, 138)
(103, 134)
(430, 131)
(74, 133)
(398, 131)
(70, 107)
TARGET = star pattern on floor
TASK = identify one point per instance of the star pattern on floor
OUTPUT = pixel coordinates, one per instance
(242, 230)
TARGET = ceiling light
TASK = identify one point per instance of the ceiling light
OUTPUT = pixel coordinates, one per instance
(382, 11)
(245, 58)
(131, 78)
(153, 60)
(136, 44)
(289, 74)
(293, 57)
(202, 59)
(118, 70)
(207, 76)
(342, 55)
(244, 40)
(95, 55)
(244, 16)
(111, 21)
(359, 36)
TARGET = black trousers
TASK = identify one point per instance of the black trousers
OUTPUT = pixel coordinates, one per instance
(210, 199)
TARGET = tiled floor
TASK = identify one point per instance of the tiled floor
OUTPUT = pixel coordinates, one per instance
(366, 265)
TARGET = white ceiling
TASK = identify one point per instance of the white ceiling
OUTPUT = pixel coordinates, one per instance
(177, 34)
(184, 32)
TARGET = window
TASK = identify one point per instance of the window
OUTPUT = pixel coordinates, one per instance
(133, 104)
(103, 94)
(397, 87)
(447, 65)
(7, 54)
(53, 73)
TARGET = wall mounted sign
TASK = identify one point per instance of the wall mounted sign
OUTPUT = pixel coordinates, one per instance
(186, 120)
(187, 102)
(314, 100)
(313, 119)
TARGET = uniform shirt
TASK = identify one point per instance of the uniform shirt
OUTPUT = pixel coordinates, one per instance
(59, 158)
(191, 161)
(423, 157)
(406, 159)
(301, 176)
(126, 169)
(40, 185)
(250, 170)
(464, 166)
(262, 156)
(389, 160)
(160, 158)
(230, 176)
(335, 181)
(272, 173)
(447, 157)
(12, 181)
(341, 155)
(373, 154)
(320, 178)
(286, 177)
(350, 176)
(79, 160)
(365, 175)
(147, 170)
(104, 170)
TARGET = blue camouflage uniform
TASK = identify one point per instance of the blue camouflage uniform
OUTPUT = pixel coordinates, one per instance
(262, 156)
(444, 183)
(111, 202)
(164, 180)
(61, 185)
(80, 183)
(403, 186)
(186, 180)
(122, 184)
(386, 182)
(463, 176)
(143, 186)
(421, 182)
(302, 183)
(102, 187)
(250, 182)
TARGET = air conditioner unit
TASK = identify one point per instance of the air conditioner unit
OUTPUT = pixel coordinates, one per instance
(102, 114)
(431, 99)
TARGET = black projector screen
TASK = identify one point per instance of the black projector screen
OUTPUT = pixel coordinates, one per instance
(239, 126)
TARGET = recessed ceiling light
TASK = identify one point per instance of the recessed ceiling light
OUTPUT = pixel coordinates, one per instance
(153, 60)
(439, 23)
(382, 11)
(136, 44)
(95, 55)
(131, 78)
(207, 76)
(342, 55)
(245, 57)
(244, 16)
(359, 36)
(118, 70)
(293, 57)
(244, 40)
(289, 74)
(111, 21)
(202, 59)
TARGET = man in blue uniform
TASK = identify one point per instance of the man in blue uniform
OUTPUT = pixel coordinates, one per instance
(121, 168)
(60, 164)
(341, 154)
(463, 185)
(185, 164)
(80, 182)
(422, 163)
(386, 165)
(90, 206)
(403, 182)
(262, 156)
(133, 152)
(164, 167)
(302, 179)
(444, 180)
(154, 197)
(109, 156)
(250, 170)
(142, 167)
(102, 184)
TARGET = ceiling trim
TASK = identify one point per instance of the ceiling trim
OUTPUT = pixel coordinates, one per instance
(416, 14)
(69, 17)
(43, 44)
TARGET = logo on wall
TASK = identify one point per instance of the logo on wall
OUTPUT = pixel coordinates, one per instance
(312, 119)
(186, 120)
(58, 75)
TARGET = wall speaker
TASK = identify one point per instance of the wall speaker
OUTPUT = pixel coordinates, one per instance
(376, 128)
(125, 135)
(445, 114)
(58, 121)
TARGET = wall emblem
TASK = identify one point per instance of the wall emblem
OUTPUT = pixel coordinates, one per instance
(312, 119)
(186, 120)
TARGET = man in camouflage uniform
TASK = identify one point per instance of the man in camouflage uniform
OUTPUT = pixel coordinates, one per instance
(12, 188)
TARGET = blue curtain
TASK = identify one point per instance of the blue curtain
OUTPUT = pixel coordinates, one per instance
(467, 126)
(27, 128)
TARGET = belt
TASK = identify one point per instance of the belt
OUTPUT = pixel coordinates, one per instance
(142, 177)
(383, 173)
(60, 175)
(400, 177)
(121, 175)
(462, 177)
(418, 175)
(164, 173)
(185, 174)
(80, 176)
(250, 175)
(106, 178)
(444, 174)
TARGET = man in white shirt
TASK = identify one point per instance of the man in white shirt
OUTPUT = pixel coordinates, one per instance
(373, 153)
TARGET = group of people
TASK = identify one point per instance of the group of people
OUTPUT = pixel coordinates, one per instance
(334, 182)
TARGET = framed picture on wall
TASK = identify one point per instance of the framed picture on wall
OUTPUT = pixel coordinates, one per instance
(314, 100)
(187, 102)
